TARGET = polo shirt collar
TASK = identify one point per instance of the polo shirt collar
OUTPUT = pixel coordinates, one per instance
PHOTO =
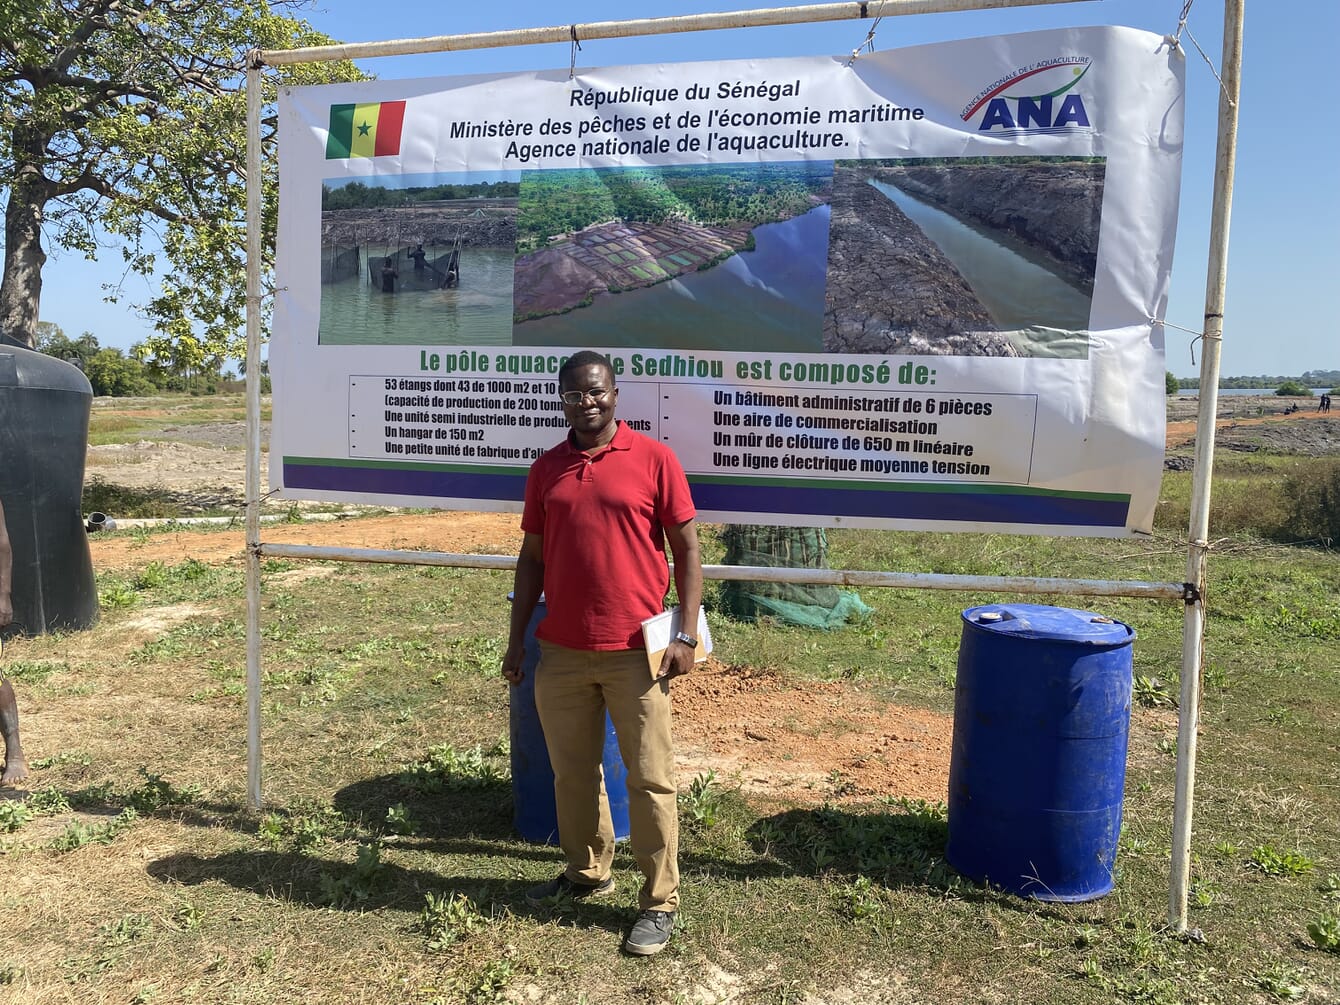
(623, 439)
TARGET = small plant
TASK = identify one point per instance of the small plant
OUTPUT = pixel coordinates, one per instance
(399, 820)
(701, 804)
(1202, 895)
(151, 576)
(1151, 692)
(1268, 859)
(48, 801)
(1325, 932)
(14, 815)
(117, 594)
(444, 766)
(1227, 849)
(156, 792)
(356, 883)
(447, 919)
(1330, 886)
(76, 835)
(187, 917)
(1085, 936)
(125, 929)
(1281, 982)
(9, 972)
(303, 829)
(859, 900)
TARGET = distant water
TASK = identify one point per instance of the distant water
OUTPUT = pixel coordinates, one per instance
(1194, 392)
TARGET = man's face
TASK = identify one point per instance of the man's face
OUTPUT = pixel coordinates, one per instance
(591, 416)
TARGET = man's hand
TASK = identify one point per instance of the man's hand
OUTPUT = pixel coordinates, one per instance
(511, 664)
(677, 660)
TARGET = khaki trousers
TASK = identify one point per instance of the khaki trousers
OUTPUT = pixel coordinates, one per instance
(573, 688)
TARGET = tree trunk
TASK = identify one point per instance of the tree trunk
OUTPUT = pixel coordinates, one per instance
(21, 284)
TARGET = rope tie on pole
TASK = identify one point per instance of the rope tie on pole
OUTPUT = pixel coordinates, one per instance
(576, 48)
(1174, 41)
(1190, 331)
(868, 44)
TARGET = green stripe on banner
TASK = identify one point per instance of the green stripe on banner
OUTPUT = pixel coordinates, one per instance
(341, 135)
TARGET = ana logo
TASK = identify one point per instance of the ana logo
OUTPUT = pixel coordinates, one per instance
(1053, 104)
(368, 130)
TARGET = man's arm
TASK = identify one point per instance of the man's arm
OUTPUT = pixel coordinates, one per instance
(678, 658)
(526, 589)
(6, 573)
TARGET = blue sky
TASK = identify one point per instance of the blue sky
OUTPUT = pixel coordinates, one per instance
(1283, 260)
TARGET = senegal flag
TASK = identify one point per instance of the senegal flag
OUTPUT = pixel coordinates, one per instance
(365, 130)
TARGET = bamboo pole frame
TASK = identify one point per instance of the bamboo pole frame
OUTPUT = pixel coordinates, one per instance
(1191, 592)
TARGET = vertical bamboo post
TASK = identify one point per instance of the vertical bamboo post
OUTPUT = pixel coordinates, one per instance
(1193, 622)
(253, 472)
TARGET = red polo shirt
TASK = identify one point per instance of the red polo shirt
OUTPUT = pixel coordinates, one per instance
(601, 517)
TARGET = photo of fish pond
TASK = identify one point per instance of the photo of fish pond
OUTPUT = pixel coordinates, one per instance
(964, 256)
(686, 257)
(418, 259)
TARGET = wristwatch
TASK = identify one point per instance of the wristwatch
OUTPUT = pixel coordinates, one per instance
(687, 639)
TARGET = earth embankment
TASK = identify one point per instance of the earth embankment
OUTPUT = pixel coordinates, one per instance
(890, 289)
(1052, 209)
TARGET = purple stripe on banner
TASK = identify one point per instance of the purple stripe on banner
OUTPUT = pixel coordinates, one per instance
(406, 482)
(979, 507)
(928, 504)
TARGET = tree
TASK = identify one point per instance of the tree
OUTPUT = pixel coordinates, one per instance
(126, 119)
(1171, 385)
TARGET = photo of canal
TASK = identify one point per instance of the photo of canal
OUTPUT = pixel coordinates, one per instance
(728, 257)
(769, 298)
(987, 256)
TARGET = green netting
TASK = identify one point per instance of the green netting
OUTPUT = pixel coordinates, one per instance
(790, 603)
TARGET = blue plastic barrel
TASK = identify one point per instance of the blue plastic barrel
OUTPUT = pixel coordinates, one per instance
(1042, 712)
(533, 810)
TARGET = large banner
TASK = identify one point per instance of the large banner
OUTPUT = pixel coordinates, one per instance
(915, 290)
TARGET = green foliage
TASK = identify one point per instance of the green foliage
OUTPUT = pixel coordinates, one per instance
(701, 804)
(447, 919)
(354, 884)
(356, 195)
(76, 835)
(14, 815)
(1325, 932)
(1312, 498)
(1270, 860)
(558, 202)
(1171, 385)
(444, 767)
(129, 120)
(1293, 389)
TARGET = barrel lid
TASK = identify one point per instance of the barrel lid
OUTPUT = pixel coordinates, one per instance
(1058, 624)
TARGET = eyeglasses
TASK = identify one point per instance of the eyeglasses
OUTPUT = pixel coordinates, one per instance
(596, 394)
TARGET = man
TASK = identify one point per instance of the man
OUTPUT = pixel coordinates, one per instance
(389, 275)
(15, 767)
(599, 508)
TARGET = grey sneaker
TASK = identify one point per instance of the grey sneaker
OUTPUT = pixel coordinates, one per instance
(650, 933)
(555, 889)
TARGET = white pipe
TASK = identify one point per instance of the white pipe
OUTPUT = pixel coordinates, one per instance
(806, 14)
(1193, 623)
(134, 523)
(252, 487)
(768, 574)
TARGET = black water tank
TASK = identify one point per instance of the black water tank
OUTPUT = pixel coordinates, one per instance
(44, 408)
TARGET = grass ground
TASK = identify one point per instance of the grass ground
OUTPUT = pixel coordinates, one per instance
(384, 867)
